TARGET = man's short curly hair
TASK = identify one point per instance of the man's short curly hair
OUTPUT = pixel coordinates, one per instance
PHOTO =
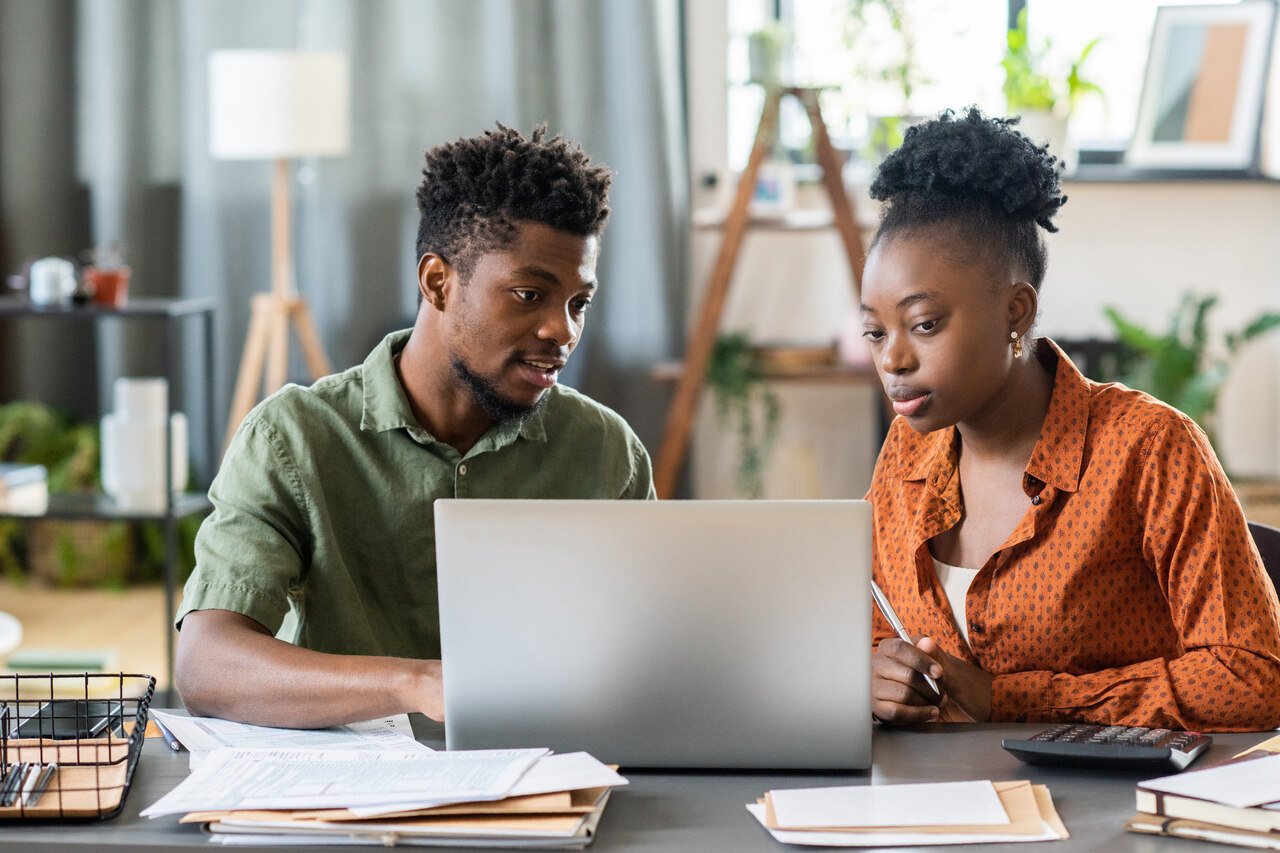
(978, 177)
(475, 190)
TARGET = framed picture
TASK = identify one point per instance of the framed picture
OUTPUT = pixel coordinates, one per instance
(1203, 91)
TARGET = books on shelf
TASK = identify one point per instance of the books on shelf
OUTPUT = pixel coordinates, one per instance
(24, 489)
(1236, 802)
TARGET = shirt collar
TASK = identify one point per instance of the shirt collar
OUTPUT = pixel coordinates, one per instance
(936, 455)
(1059, 453)
(386, 407)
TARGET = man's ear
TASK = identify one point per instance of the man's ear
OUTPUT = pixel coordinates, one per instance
(434, 274)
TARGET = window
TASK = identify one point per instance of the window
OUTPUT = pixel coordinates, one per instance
(1116, 64)
(947, 52)
(936, 54)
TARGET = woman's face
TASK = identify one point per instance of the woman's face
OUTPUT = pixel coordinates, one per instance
(938, 322)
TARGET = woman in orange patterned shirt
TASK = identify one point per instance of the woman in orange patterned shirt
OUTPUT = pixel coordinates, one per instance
(1064, 550)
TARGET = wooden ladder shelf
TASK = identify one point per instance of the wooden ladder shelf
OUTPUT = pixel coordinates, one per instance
(680, 417)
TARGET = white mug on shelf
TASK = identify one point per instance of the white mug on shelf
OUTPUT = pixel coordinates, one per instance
(52, 281)
(133, 441)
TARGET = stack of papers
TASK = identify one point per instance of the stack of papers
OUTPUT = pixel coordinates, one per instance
(1237, 802)
(203, 735)
(910, 815)
(522, 798)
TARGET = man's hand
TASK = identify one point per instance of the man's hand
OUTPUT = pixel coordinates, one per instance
(231, 666)
(967, 687)
(899, 693)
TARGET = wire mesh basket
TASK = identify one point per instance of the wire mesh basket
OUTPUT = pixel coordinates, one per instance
(69, 744)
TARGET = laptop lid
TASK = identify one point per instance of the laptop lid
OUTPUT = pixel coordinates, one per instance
(727, 634)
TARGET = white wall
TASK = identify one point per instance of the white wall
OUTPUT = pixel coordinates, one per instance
(1137, 246)
(1140, 246)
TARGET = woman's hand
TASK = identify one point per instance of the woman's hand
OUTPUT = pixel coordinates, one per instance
(899, 693)
(967, 687)
(901, 696)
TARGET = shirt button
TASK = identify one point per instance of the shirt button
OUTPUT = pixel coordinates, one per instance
(462, 470)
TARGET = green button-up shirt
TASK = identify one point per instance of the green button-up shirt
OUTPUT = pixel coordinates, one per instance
(322, 528)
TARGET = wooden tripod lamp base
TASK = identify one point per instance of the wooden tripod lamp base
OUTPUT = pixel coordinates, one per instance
(266, 348)
(266, 353)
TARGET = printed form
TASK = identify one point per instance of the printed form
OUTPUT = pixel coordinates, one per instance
(230, 779)
(202, 735)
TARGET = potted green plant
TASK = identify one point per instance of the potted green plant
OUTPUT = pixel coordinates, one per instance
(74, 552)
(766, 48)
(1044, 96)
(746, 405)
(1183, 366)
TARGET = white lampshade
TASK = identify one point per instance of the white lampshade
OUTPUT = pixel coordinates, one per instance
(273, 104)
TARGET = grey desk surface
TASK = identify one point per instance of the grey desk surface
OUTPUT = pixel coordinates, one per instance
(705, 811)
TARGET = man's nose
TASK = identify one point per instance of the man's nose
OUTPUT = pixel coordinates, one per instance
(559, 327)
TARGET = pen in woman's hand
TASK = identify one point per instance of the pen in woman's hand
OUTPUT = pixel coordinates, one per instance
(882, 601)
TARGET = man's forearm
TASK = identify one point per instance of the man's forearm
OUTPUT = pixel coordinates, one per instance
(227, 668)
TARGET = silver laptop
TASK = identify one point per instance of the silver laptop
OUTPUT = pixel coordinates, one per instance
(725, 634)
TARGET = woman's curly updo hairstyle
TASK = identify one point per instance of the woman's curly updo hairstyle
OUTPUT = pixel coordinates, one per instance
(980, 182)
(475, 190)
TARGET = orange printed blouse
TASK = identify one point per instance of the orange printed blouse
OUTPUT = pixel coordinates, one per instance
(1131, 591)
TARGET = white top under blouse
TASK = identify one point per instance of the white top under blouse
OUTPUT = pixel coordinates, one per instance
(955, 582)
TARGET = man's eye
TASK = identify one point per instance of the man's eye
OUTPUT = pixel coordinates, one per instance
(873, 335)
(927, 325)
(527, 295)
(580, 305)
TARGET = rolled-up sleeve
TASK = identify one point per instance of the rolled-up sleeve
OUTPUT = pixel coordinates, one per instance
(251, 549)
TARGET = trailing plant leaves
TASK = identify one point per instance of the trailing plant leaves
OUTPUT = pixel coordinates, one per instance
(746, 405)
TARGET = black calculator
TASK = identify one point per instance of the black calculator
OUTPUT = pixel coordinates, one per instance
(1110, 747)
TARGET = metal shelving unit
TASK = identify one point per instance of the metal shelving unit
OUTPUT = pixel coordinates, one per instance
(171, 316)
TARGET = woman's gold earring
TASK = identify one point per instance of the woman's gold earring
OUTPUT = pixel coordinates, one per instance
(1017, 344)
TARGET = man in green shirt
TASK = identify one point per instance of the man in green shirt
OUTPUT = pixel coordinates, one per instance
(313, 601)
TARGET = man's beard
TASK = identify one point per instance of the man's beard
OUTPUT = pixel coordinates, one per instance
(489, 398)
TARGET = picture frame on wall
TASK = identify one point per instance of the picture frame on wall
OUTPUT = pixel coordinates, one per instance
(1204, 87)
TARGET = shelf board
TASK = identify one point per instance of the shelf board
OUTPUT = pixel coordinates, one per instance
(95, 505)
(799, 219)
(1123, 173)
(137, 307)
(671, 371)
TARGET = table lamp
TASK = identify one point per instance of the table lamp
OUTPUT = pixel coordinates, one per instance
(277, 105)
